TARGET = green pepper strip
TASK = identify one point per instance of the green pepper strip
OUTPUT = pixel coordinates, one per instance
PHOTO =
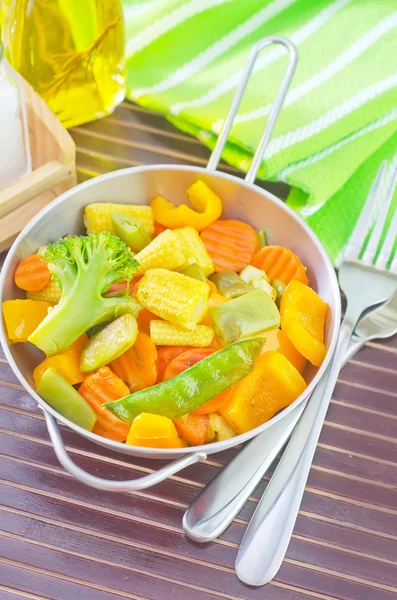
(230, 284)
(191, 389)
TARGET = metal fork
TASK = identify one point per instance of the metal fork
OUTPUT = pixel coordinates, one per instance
(268, 535)
(223, 498)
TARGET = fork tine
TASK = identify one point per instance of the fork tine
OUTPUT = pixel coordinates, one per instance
(363, 224)
(385, 197)
(388, 243)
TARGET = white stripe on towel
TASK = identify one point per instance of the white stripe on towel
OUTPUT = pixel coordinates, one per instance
(337, 113)
(341, 62)
(215, 50)
(155, 30)
(299, 36)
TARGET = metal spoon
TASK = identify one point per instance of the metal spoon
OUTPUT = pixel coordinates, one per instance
(223, 498)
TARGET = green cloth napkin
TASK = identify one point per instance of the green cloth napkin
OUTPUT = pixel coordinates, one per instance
(339, 121)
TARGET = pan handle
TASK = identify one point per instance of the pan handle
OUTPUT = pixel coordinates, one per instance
(110, 485)
(274, 113)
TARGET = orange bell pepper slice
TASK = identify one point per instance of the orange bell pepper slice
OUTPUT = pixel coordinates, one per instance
(153, 431)
(303, 315)
(207, 205)
(273, 384)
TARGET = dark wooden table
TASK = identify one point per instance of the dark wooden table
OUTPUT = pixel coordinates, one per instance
(61, 540)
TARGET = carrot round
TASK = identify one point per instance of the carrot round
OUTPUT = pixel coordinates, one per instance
(137, 366)
(185, 361)
(231, 244)
(100, 387)
(280, 263)
(165, 354)
(32, 274)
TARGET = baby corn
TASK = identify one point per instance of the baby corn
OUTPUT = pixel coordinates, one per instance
(97, 217)
(174, 297)
(164, 252)
(194, 249)
(167, 334)
(51, 293)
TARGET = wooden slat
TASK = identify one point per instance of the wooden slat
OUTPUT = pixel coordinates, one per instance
(61, 540)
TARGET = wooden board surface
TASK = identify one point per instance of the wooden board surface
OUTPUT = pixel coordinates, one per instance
(60, 540)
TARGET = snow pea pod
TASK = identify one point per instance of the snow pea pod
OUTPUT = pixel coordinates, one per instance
(191, 389)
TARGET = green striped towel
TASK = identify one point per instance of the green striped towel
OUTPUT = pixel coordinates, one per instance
(339, 121)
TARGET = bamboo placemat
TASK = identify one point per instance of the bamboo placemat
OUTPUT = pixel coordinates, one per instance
(60, 540)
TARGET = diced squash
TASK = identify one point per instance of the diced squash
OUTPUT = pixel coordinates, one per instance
(273, 384)
(67, 363)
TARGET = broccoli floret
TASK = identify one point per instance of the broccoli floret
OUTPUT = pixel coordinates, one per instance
(85, 267)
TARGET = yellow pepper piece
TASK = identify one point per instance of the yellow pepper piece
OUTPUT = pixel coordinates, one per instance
(22, 317)
(153, 431)
(67, 363)
(278, 341)
(303, 315)
(207, 205)
(273, 384)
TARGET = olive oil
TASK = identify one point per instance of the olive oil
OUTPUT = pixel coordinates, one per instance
(71, 52)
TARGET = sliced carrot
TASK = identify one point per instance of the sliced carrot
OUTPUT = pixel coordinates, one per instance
(165, 354)
(230, 244)
(185, 361)
(98, 388)
(117, 288)
(32, 274)
(193, 428)
(280, 263)
(158, 228)
(215, 403)
(143, 320)
(137, 366)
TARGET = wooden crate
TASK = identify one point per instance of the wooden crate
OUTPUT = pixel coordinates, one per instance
(53, 169)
